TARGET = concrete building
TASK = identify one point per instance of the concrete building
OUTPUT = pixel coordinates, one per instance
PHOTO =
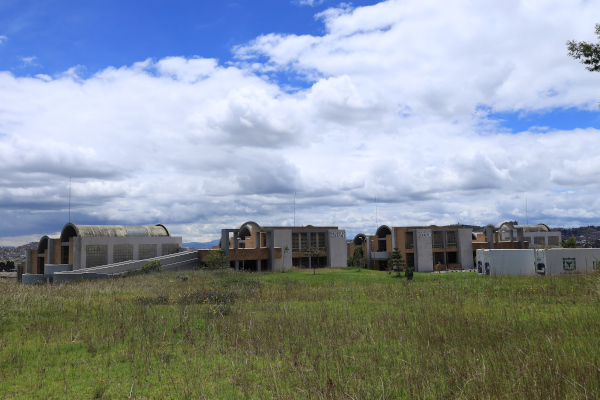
(509, 235)
(423, 248)
(88, 246)
(278, 248)
(538, 236)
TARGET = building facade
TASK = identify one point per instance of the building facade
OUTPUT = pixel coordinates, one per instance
(87, 246)
(423, 248)
(278, 248)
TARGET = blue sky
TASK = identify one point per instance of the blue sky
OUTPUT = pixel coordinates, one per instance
(202, 115)
(61, 34)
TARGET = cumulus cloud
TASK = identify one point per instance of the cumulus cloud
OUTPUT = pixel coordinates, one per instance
(397, 104)
(3, 39)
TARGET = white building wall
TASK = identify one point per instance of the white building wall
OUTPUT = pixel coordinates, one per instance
(465, 248)
(506, 262)
(423, 250)
(80, 243)
(337, 249)
(563, 261)
(282, 238)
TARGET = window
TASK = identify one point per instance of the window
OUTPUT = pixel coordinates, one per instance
(409, 241)
(146, 251)
(169, 248)
(438, 240)
(122, 252)
(295, 242)
(303, 241)
(96, 254)
(539, 241)
(450, 239)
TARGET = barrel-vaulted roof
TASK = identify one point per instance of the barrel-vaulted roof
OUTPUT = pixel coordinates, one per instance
(116, 230)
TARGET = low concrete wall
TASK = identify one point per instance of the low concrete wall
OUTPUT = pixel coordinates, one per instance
(172, 262)
(51, 269)
(565, 260)
(33, 279)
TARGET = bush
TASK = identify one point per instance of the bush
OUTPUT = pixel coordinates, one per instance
(215, 259)
(151, 266)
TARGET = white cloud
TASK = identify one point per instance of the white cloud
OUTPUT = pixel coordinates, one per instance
(397, 106)
(3, 39)
(28, 61)
(311, 3)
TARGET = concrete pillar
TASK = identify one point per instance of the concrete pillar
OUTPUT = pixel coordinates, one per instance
(225, 241)
(520, 237)
(28, 261)
(489, 236)
(271, 246)
(368, 255)
(237, 265)
(308, 243)
(258, 265)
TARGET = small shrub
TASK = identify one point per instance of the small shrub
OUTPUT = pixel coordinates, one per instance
(215, 260)
(151, 266)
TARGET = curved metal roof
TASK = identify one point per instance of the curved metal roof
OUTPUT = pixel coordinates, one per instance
(43, 243)
(507, 226)
(383, 230)
(251, 226)
(118, 230)
(359, 239)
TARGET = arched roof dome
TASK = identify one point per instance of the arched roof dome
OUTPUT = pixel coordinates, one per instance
(360, 239)
(72, 229)
(383, 230)
(43, 243)
(507, 227)
(248, 229)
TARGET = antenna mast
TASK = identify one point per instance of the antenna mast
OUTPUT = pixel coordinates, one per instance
(294, 208)
(376, 223)
(526, 215)
(69, 199)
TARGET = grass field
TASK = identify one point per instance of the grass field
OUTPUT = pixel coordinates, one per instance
(341, 333)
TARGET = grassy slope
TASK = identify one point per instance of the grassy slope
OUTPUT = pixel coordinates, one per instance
(337, 334)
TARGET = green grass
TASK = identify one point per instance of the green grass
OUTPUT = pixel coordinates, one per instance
(341, 333)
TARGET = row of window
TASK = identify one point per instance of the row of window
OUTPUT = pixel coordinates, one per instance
(300, 241)
(97, 254)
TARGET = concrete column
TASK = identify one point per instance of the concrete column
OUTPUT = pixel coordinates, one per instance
(489, 236)
(520, 237)
(258, 265)
(257, 240)
(225, 241)
(237, 265)
(271, 246)
(28, 261)
(368, 255)
(308, 243)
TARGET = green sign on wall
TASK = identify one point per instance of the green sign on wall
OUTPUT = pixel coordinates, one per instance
(569, 264)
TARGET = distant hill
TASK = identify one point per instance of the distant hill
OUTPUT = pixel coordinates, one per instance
(202, 245)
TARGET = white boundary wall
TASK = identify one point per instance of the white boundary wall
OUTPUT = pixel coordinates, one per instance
(507, 262)
(529, 262)
(564, 261)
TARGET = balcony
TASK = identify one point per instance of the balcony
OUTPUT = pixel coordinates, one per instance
(380, 255)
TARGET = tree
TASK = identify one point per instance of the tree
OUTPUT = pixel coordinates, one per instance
(215, 259)
(311, 252)
(588, 53)
(398, 262)
(570, 243)
(358, 258)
